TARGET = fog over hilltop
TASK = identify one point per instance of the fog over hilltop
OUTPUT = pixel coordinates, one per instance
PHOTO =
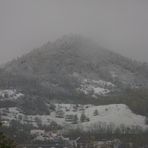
(115, 24)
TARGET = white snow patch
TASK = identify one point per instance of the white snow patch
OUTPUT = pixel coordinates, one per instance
(116, 114)
(94, 87)
(10, 94)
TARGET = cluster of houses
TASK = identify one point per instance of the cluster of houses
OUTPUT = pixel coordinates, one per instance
(71, 117)
(57, 140)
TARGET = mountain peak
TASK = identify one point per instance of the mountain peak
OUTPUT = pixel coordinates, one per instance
(53, 65)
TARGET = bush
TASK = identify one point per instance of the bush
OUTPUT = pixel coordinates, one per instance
(96, 113)
(84, 118)
(5, 142)
(146, 120)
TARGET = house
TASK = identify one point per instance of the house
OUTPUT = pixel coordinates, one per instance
(70, 143)
(69, 118)
(37, 132)
(116, 143)
(60, 114)
(5, 123)
(85, 142)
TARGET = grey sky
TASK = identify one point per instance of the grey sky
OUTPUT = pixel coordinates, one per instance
(119, 25)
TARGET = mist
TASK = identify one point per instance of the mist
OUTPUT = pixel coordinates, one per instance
(118, 25)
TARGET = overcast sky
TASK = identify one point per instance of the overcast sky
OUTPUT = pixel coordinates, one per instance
(119, 25)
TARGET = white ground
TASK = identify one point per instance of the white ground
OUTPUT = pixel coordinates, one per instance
(116, 114)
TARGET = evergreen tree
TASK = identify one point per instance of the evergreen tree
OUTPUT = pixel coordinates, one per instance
(5, 142)
(146, 120)
(75, 119)
(83, 117)
(96, 113)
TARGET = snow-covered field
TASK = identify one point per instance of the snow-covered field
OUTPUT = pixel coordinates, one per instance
(116, 114)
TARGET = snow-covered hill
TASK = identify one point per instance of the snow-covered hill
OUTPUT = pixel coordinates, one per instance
(115, 114)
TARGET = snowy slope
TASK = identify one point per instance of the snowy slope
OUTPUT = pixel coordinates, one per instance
(116, 114)
(95, 87)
